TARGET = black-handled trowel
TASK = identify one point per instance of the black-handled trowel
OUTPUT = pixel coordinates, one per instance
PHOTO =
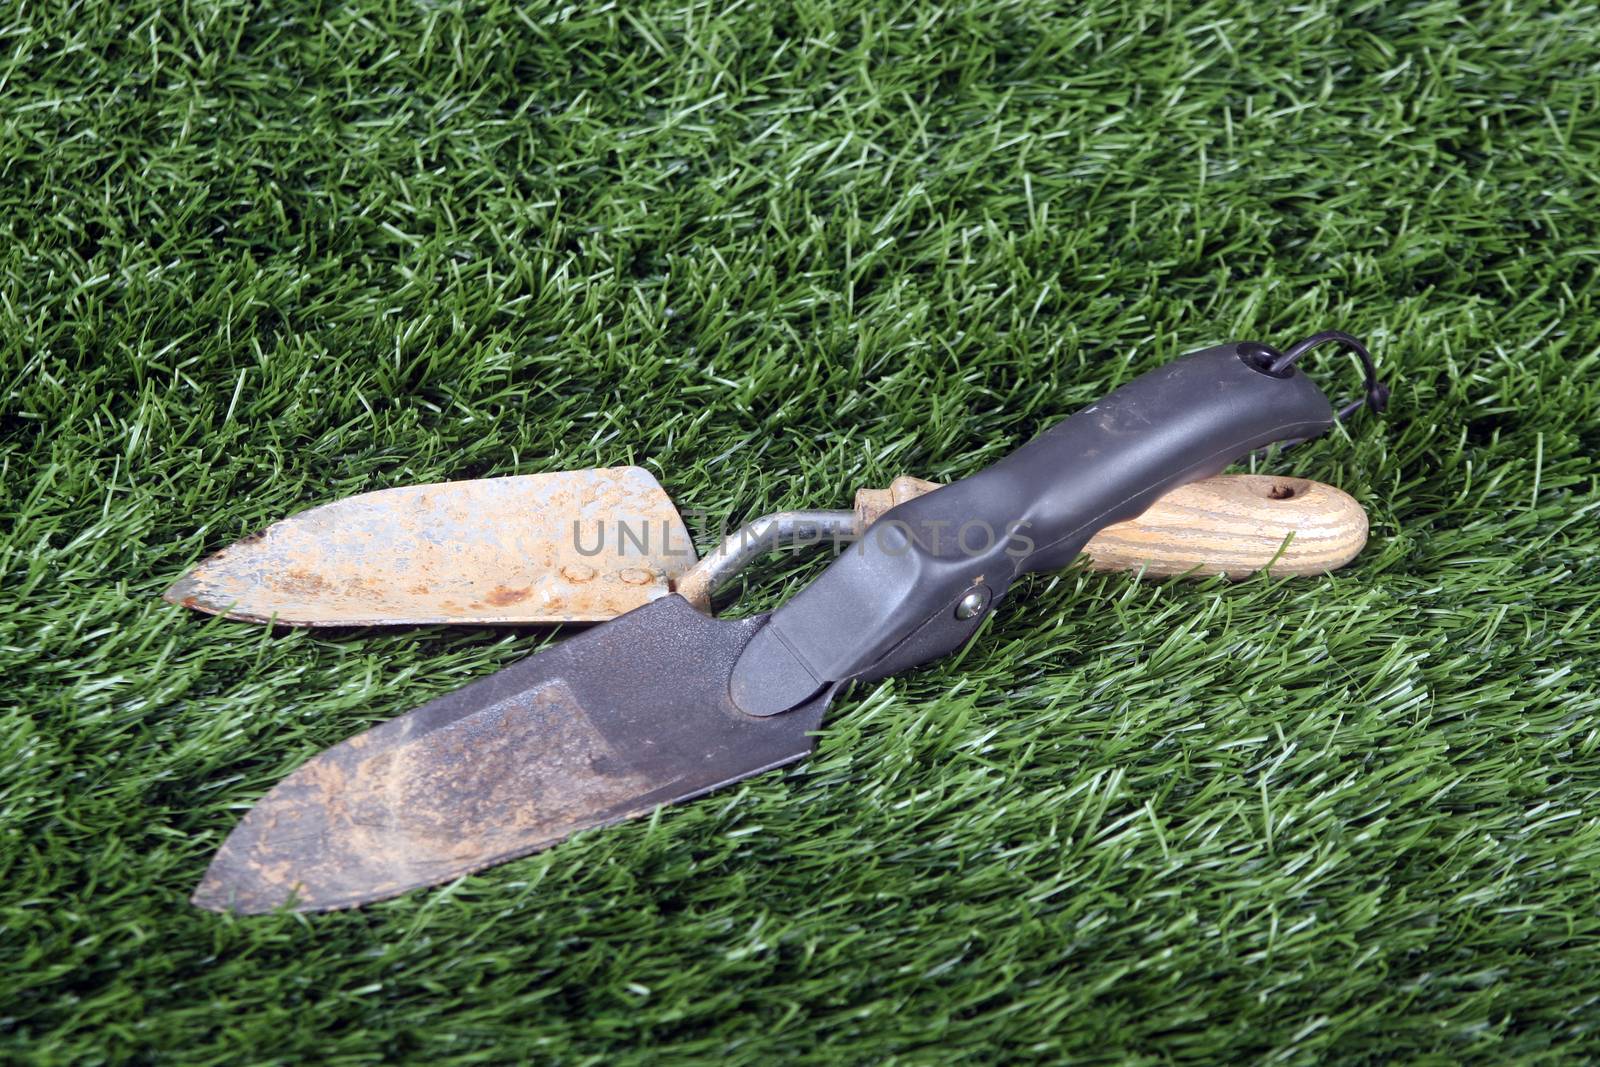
(667, 702)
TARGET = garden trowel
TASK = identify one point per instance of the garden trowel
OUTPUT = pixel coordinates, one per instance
(585, 546)
(667, 702)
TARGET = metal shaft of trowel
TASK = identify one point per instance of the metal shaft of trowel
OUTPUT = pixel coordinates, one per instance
(756, 538)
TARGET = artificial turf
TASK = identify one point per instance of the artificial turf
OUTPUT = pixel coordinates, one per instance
(257, 256)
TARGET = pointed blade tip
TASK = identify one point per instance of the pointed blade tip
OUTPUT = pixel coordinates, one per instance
(187, 593)
(231, 891)
(180, 591)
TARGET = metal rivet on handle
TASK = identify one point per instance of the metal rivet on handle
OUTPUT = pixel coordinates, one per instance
(974, 602)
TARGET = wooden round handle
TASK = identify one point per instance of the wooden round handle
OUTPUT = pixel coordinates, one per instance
(872, 503)
(1237, 524)
(1233, 524)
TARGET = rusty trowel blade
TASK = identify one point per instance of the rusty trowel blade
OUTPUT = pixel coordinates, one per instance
(606, 726)
(573, 546)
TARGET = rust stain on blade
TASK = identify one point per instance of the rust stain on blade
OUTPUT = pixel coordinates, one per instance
(368, 822)
(572, 546)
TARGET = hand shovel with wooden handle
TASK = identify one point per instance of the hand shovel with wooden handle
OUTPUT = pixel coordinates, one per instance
(586, 546)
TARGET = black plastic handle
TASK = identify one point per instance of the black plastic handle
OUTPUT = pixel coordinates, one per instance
(918, 585)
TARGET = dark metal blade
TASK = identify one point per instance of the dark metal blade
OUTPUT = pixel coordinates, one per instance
(606, 726)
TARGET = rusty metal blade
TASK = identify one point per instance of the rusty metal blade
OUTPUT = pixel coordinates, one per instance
(604, 727)
(573, 546)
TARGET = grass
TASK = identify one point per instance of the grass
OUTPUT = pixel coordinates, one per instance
(258, 256)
